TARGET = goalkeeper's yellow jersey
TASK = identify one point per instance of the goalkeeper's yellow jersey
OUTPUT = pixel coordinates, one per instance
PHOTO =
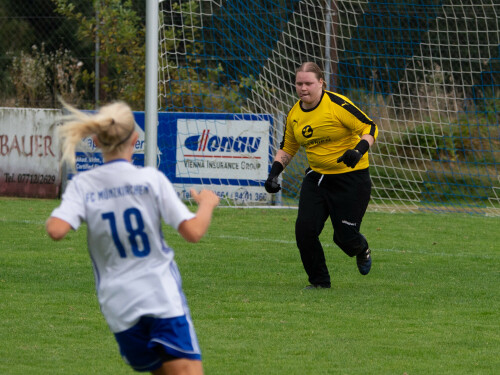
(326, 132)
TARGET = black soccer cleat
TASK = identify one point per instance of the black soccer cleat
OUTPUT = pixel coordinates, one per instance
(364, 262)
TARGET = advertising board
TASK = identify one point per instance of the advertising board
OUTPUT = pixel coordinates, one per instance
(226, 153)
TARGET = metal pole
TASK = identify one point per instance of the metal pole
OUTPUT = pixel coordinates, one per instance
(328, 27)
(331, 45)
(97, 49)
(151, 95)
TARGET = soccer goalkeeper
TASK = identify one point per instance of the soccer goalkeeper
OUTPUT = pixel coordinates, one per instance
(336, 136)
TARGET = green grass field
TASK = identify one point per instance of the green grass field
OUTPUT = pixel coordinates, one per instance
(431, 304)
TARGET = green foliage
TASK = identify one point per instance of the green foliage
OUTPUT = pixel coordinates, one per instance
(475, 136)
(192, 83)
(448, 187)
(15, 33)
(25, 28)
(426, 137)
(471, 138)
(395, 184)
(40, 77)
(120, 33)
(203, 94)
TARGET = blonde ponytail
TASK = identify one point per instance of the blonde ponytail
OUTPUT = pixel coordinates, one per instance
(113, 125)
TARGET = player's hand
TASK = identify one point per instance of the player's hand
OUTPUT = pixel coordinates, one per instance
(205, 197)
(271, 185)
(350, 158)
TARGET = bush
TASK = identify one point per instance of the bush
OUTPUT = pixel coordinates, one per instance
(40, 77)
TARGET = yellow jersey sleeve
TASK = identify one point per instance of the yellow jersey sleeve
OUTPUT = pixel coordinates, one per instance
(289, 143)
(352, 117)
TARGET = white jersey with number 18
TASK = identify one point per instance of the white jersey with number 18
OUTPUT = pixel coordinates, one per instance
(134, 270)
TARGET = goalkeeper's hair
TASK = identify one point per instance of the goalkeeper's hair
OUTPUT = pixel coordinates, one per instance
(112, 125)
(311, 67)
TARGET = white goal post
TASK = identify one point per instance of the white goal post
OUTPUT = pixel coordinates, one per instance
(151, 94)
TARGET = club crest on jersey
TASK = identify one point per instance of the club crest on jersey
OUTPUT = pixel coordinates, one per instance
(213, 143)
(307, 131)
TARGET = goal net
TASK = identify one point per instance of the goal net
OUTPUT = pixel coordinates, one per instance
(426, 71)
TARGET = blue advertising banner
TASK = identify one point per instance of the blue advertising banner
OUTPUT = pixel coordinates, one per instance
(229, 154)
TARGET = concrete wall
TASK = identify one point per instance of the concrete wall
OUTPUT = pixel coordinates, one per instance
(29, 153)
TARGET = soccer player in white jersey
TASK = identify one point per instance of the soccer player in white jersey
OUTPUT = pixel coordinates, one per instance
(137, 280)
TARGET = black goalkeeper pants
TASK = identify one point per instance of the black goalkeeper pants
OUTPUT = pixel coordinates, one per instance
(342, 197)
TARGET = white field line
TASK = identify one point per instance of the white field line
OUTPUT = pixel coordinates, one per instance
(375, 250)
(288, 242)
(37, 222)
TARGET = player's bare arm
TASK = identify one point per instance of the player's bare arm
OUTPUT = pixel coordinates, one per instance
(369, 138)
(194, 229)
(283, 157)
(57, 228)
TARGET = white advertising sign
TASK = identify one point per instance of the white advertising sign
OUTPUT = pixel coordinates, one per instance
(222, 149)
(223, 156)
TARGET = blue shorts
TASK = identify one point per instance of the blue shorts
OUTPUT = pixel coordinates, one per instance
(153, 341)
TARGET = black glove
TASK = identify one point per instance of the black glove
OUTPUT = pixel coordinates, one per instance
(352, 157)
(271, 185)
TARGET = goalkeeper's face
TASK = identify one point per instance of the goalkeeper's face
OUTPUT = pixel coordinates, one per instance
(309, 88)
